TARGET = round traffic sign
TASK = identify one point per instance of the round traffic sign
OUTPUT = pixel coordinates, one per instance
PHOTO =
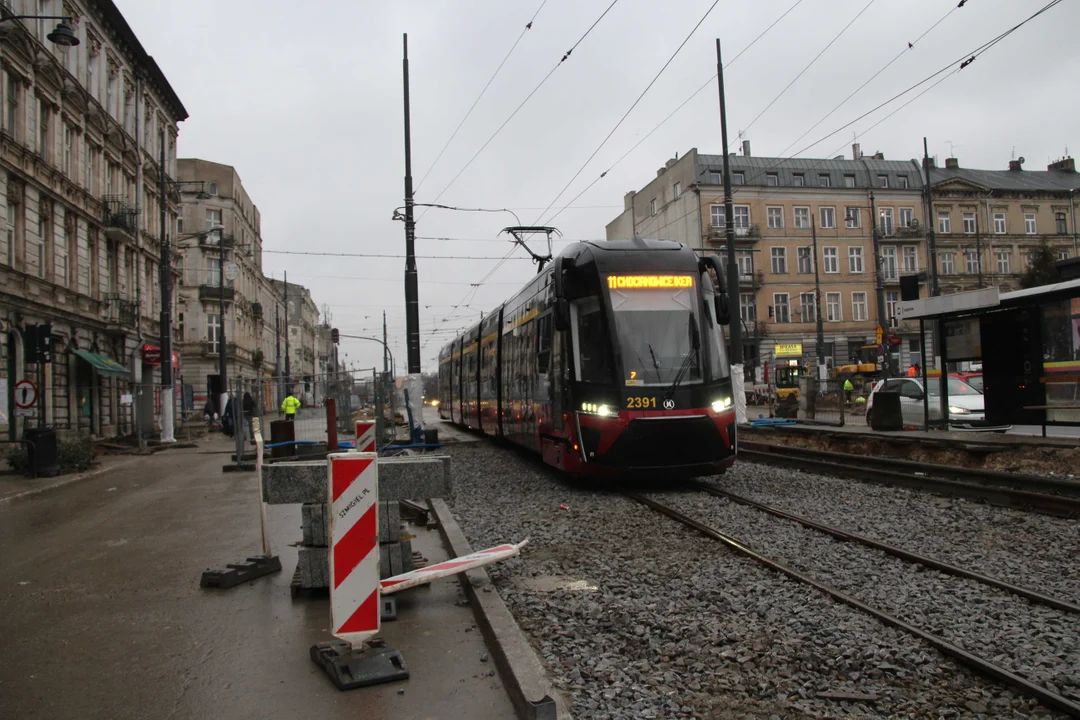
(232, 270)
(25, 394)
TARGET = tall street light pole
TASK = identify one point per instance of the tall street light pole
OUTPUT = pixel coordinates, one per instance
(223, 370)
(817, 299)
(734, 329)
(412, 298)
(879, 286)
(168, 414)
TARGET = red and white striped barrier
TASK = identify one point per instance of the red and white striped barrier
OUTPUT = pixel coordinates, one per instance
(365, 436)
(354, 546)
(449, 567)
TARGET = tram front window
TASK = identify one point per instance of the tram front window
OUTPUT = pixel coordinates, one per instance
(657, 334)
(593, 359)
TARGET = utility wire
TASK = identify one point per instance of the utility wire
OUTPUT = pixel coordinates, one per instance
(631, 109)
(528, 97)
(378, 255)
(528, 27)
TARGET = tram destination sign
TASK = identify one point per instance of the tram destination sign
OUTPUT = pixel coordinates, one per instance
(646, 282)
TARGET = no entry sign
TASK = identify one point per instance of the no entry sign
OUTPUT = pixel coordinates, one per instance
(25, 394)
(354, 546)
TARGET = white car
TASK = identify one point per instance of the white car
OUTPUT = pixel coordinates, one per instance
(965, 402)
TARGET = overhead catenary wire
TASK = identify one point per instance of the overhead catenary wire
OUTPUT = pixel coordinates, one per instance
(528, 27)
(383, 255)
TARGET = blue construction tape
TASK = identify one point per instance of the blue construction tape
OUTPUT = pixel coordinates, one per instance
(766, 422)
(292, 442)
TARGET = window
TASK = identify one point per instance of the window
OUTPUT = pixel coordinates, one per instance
(855, 259)
(907, 215)
(91, 168)
(676, 190)
(213, 331)
(807, 307)
(737, 178)
(745, 262)
(779, 260)
(91, 70)
(44, 233)
(969, 223)
(1029, 223)
(213, 218)
(945, 263)
(805, 260)
(715, 178)
(1063, 254)
(902, 181)
(213, 272)
(972, 259)
(1059, 221)
(61, 269)
(892, 300)
(716, 216)
(69, 138)
(9, 235)
(849, 181)
(886, 221)
(11, 103)
(851, 218)
(999, 223)
(179, 224)
(944, 222)
(213, 188)
(798, 180)
(776, 217)
(883, 181)
(827, 216)
(802, 218)
(888, 263)
(742, 217)
(911, 259)
(781, 309)
(858, 306)
(652, 207)
(1003, 262)
(110, 93)
(747, 307)
(824, 180)
(772, 179)
(831, 259)
(834, 311)
(43, 130)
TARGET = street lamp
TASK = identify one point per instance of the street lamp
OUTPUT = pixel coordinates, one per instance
(879, 287)
(63, 35)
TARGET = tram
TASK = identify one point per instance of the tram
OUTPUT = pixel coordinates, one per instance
(610, 361)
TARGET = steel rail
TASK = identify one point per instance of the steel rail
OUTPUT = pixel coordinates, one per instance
(1056, 505)
(907, 555)
(981, 665)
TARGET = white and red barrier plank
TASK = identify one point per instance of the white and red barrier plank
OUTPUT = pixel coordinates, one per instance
(449, 567)
(365, 436)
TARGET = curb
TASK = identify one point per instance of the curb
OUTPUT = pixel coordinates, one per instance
(71, 479)
(530, 690)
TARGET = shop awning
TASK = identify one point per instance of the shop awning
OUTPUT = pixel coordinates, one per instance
(104, 364)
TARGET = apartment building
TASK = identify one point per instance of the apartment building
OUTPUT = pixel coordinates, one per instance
(221, 281)
(783, 208)
(989, 222)
(301, 367)
(80, 137)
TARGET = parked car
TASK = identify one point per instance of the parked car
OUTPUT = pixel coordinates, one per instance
(974, 379)
(965, 402)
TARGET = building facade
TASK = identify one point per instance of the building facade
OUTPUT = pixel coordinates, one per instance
(989, 223)
(212, 304)
(783, 208)
(80, 137)
(300, 360)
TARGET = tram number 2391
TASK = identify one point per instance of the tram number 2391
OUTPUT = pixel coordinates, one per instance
(640, 403)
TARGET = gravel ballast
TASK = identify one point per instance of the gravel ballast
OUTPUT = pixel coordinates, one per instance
(635, 616)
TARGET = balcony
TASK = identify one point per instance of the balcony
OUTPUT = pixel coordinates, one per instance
(753, 232)
(119, 219)
(913, 231)
(210, 349)
(120, 314)
(213, 292)
(256, 311)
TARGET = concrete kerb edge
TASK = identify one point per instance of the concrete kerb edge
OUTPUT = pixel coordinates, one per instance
(519, 668)
(71, 479)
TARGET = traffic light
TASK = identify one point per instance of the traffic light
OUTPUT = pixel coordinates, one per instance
(334, 336)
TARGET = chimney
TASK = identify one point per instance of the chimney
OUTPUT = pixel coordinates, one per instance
(856, 151)
(1066, 164)
(628, 200)
(746, 148)
(671, 162)
(952, 163)
(1016, 165)
(928, 162)
(878, 156)
(661, 171)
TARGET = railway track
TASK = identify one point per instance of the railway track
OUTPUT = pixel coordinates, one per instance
(1052, 496)
(977, 663)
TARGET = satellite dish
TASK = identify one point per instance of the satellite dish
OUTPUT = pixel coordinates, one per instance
(914, 222)
(1021, 159)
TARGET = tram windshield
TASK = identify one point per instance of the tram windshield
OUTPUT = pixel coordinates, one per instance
(657, 331)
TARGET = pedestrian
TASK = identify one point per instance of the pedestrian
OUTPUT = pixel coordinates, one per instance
(208, 415)
(227, 425)
(848, 389)
(289, 406)
(914, 370)
(248, 406)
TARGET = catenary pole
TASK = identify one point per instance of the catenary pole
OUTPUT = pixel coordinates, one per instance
(412, 298)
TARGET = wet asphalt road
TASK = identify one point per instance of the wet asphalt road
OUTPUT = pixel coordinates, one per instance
(101, 614)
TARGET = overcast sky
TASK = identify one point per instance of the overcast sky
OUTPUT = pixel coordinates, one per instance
(307, 107)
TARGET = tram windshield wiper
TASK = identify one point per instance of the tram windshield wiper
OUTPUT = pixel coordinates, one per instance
(655, 364)
(695, 346)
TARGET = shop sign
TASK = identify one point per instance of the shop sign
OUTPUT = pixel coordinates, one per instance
(788, 350)
(151, 355)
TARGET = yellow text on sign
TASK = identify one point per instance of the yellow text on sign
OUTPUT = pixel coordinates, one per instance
(638, 282)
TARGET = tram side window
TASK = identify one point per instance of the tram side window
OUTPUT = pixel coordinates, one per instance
(543, 345)
(593, 348)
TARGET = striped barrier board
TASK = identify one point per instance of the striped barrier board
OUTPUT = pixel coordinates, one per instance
(354, 546)
(365, 436)
(449, 567)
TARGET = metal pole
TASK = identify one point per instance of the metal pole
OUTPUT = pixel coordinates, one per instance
(412, 299)
(978, 250)
(1072, 212)
(167, 395)
(223, 370)
(879, 286)
(931, 237)
(277, 352)
(817, 298)
(729, 213)
(288, 372)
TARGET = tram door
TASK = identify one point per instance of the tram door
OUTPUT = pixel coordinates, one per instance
(558, 380)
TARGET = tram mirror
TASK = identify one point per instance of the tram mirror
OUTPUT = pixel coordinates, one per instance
(720, 305)
(562, 314)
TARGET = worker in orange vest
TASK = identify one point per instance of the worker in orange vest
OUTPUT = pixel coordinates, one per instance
(913, 371)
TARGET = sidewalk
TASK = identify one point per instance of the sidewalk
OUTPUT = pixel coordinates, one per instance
(16, 485)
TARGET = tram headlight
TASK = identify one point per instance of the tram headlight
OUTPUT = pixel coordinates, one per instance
(594, 409)
(721, 405)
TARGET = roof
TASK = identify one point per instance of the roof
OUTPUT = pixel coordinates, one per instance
(1067, 285)
(866, 171)
(1016, 180)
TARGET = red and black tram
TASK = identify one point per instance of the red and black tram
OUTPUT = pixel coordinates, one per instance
(611, 360)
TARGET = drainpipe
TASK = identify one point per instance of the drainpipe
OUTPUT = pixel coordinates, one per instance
(136, 369)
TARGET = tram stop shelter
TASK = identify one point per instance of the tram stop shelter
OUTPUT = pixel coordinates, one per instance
(1028, 342)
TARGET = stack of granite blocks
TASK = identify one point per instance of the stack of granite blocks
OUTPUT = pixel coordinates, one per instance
(305, 483)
